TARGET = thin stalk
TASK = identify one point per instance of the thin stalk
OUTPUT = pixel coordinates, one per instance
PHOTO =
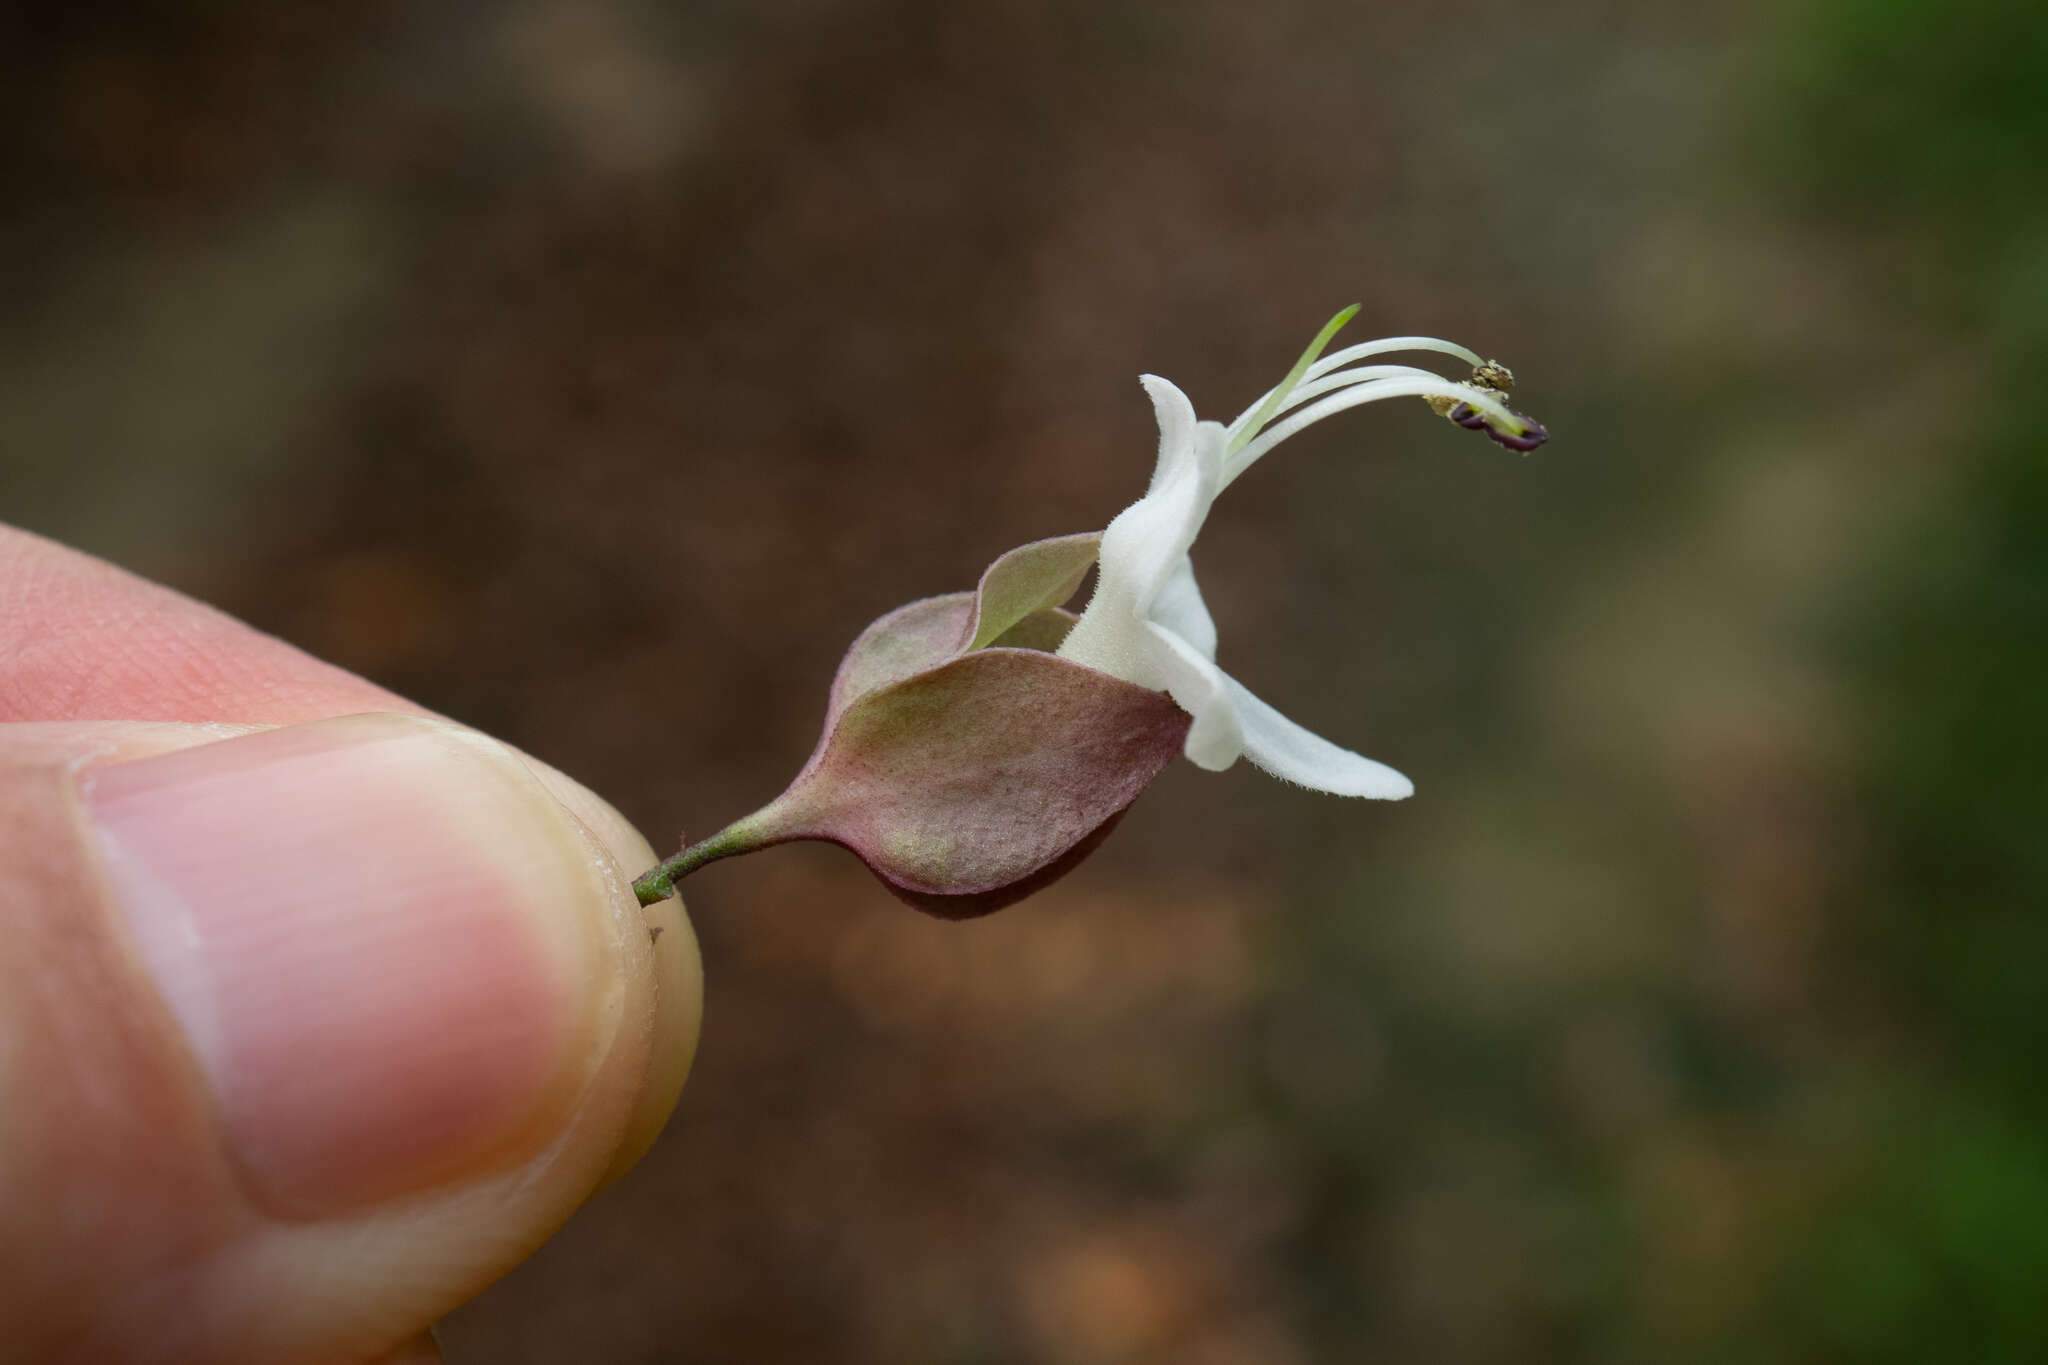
(658, 884)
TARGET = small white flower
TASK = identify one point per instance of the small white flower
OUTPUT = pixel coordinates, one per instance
(968, 766)
(1147, 623)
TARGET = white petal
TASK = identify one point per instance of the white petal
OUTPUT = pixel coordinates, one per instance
(1293, 754)
(1180, 609)
(1148, 540)
(1202, 690)
(1176, 417)
(1144, 546)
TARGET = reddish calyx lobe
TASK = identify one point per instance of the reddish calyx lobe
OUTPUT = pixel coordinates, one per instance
(961, 760)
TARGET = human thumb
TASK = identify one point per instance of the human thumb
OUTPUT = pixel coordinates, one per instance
(307, 1034)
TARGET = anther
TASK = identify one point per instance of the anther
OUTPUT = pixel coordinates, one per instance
(1495, 380)
(1493, 377)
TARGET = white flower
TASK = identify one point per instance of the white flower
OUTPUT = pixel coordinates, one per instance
(1147, 623)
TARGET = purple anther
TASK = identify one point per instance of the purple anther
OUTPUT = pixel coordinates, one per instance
(1532, 435)
(1468, 417)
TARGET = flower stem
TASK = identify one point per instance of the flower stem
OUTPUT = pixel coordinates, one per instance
(659, 883)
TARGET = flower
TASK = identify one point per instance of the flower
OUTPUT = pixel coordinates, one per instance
(961, 759)
(978, 745)
(1147, 622)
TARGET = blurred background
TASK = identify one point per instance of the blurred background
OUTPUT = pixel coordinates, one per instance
(594, 370)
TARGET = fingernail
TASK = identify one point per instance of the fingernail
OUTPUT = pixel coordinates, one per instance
(369, 931)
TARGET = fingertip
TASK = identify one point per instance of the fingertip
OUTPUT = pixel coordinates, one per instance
(679, 993)
(677, 970)
(427, 1017)
(360, 926)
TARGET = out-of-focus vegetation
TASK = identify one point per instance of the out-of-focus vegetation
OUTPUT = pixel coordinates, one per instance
(1926, 121)
(593, 369)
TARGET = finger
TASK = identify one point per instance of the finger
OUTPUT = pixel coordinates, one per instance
(678, 971)
(306, 1033)
(83, 640)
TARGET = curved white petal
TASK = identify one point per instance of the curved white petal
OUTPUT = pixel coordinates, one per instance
(1180, 608)
(1294, 754)
(1176, 417)
(1148, 540)
(1199, 688)
(1143, 548)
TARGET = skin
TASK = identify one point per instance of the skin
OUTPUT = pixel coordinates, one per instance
(152, 1210)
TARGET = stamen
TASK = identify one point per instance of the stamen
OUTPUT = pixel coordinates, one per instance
(1344, 379)
(1531, 435)
(1386, 346)
(1318, 388)
(1273, 400)
(1490, 377)
(1372, 392)
(1262, 412)
(1493, 377)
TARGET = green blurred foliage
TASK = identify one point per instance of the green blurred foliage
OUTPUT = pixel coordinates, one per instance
(1930, 119)
(1924, 108)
